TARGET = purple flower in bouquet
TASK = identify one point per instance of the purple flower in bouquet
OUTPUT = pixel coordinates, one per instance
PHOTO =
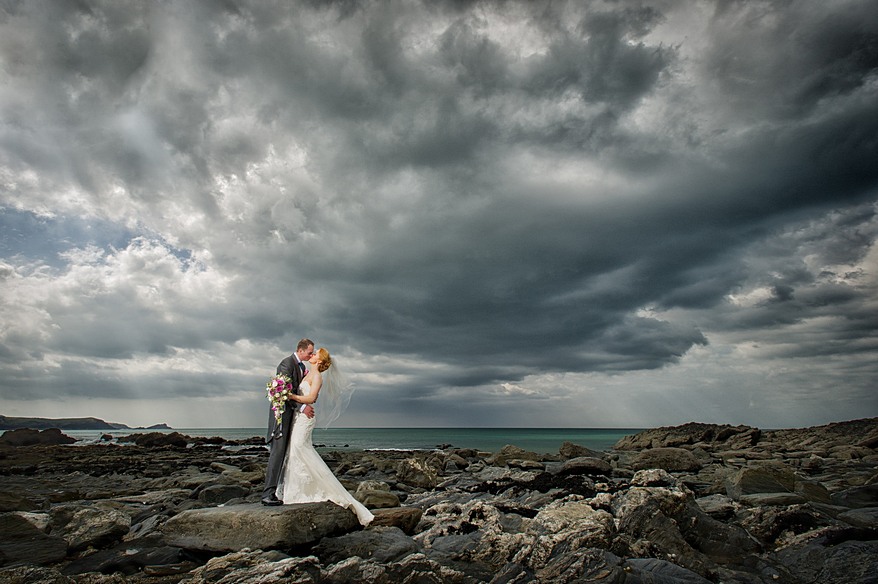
(279, 389)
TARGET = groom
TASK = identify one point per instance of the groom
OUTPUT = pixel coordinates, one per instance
(278, 438)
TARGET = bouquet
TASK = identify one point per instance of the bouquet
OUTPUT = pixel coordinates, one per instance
(279, 388)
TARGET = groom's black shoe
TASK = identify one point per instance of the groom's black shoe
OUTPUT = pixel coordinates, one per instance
(272, 501)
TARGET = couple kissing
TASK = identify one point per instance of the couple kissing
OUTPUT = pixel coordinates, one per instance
(296, 473)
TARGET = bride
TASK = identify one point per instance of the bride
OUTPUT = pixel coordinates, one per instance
(305, 477)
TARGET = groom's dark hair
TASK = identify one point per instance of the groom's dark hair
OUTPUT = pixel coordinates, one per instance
(304, 344)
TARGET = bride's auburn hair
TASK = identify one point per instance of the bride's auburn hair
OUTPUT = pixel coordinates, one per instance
(324, 358)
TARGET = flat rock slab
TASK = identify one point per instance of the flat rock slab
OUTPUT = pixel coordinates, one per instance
(781, 499)
(866, 517)
(666, 458)
(587, 465)
(23, 543)
(405, 518)
(254, 526)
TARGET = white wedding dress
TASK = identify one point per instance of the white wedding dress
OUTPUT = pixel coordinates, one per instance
(306, 478)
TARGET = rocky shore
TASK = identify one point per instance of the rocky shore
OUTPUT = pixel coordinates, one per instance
(695, 503)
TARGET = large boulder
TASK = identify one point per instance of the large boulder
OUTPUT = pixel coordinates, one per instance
(256, 566)
(834, 556)
(377, 499)
(771, 499)
(667, 458)
(771, 483)
(570, 450)
(667, 521)
(405, 518)
(382, 544)
(455, 463)
(525, 464)
(686, 434)
(857, 497)
(654, 477)
(413, 568)
(223, 529)
(485, 537)
(30, 574)
(587, 465)
(775, 526)
(217, 494)
(475, 534)
(158, 439)
(14, 501)
(562, 528)
(511, 452)
(852, 433)
(95, 527)
(42, 521)
(22, 542)
(866, 517)
(28, 437)
(761, 479)
(376, 495)
(252, 566)
(717, 506)
(600, 566)
(129, 558)
(416, 472)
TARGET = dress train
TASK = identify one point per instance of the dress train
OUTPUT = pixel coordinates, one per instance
(306, 478)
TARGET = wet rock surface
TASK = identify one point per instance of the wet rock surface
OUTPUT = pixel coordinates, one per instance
(28, 437)
(226, 529)
(693, 503)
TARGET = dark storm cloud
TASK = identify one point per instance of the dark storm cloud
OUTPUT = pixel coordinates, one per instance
(457, 196)
(803, 53)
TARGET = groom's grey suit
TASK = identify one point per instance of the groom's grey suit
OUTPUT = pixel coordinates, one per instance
(278, 439)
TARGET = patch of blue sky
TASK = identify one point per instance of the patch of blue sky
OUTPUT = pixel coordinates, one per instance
(44, 240)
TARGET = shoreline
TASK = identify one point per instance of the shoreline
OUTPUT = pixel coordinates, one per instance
(695, 503)
(544, 440)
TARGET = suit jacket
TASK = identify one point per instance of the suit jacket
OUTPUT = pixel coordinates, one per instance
(289, 366)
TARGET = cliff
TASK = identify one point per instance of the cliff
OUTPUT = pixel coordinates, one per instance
(10, 423)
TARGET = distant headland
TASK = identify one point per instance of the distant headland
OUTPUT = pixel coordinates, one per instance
(11, 423)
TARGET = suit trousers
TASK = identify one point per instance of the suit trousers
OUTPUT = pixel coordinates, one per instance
(277, 449)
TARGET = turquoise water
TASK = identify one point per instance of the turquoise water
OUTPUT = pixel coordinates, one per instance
(541, 440)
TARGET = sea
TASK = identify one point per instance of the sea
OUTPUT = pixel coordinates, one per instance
(539, 440)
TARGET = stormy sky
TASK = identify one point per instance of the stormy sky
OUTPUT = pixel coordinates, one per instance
(527, 214)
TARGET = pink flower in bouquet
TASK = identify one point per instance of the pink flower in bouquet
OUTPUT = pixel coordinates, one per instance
(279, 388)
